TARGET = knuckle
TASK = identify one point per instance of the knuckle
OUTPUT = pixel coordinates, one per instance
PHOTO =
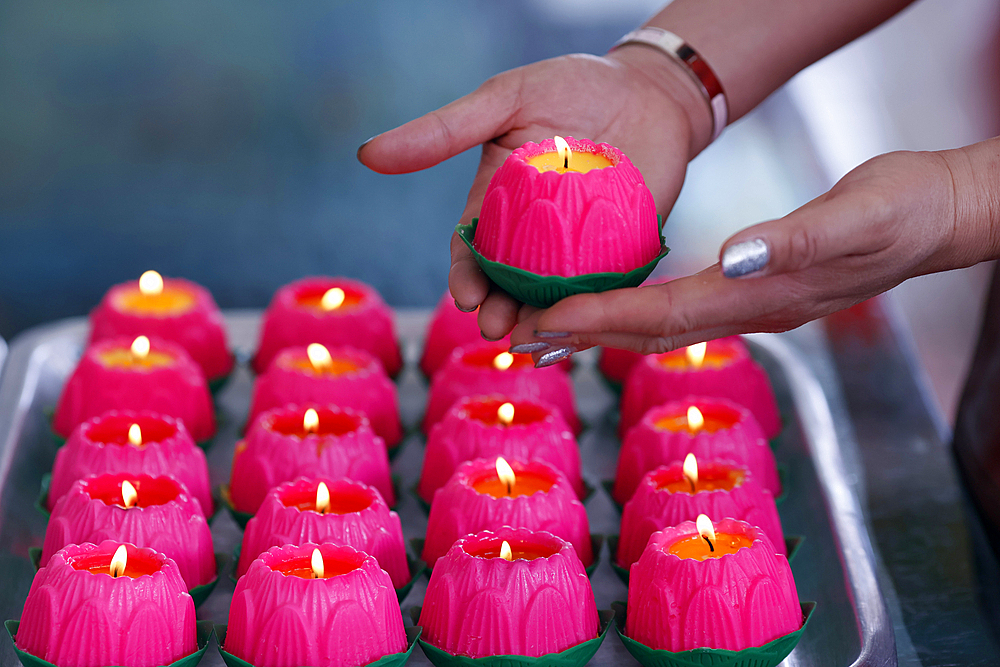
(803, 248)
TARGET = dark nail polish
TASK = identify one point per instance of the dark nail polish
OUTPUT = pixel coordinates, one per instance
(464, 310)
(553, 357)
(528, 348)
(553, 334)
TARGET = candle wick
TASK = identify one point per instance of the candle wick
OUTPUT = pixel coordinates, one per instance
(694, 488)
(565, 162)
(509, 488)
(711, 547)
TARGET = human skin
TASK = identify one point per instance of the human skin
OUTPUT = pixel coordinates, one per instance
(894, 217)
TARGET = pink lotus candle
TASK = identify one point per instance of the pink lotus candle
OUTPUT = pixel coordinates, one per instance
(337, 312)
(108, 604)
(346, 377)
(133, 442)
(509, 592)
(716, 429)
(723, 587)
(169, 308)
(488, 368)
(494, 492)
(448, 329)
(567, 209)
(322, 510)
(136, 374)
(295, 441)
(670, 495)
(721, 368)
(154, 512)
(314, 605)
(491, 426)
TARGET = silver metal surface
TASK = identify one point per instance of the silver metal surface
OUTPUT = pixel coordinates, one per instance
(835, 567)
(3, 354)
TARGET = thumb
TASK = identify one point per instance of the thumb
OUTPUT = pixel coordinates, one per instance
(485, 113)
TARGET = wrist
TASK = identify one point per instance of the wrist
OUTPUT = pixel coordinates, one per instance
(974, 172)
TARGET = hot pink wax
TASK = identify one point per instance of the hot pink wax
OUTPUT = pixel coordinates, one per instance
(164, 518)
(473, 500)
(184, 312)
(110, 377)
(355, 380)
(487, 368)
(731, 602)
(727, 372)
(357, 516)
(567, 223)
(478, 604)
(472, 429)
(78, 615)
(725, 490)
(662, 437)
(101, 445)
(277, 450)
(282, 617)
(354, 317)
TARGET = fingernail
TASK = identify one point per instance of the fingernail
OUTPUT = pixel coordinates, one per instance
(361, 147)
(744, 258)
(492, 340)
(528, 348)
(553, 357)
(553, 334)
(464, 310)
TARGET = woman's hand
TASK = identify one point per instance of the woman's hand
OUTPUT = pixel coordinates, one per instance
(636, 99)
(896, 216)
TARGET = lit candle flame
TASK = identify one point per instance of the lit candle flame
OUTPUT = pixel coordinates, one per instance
(316, 563)
(696, 354)
(140, 347)
(706, 530)
(322, 498)
(332, 299)
(695, 419)
(119, 561)
(506, 474)
(319, 356)
(503, 361)
(506, 413)
(150, 283)
(310, 421)
(505, 551)
(129, 495)
(562, 147)
(691, 471)
(135, 435)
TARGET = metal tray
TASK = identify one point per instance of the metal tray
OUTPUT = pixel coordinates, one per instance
(835, 566)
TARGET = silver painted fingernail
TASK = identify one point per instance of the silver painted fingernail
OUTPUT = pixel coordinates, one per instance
(528, 348)
(553, 334)
(554, 357)
(464, 310)
(744, 258)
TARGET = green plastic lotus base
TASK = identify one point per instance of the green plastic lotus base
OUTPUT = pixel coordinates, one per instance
(241, 518)
(574, 656)
(205, 630)
(42, 502)
(792, 545)
(596, 545)
(391, 660)
(768, 655)
(216, 385)
(543, 291)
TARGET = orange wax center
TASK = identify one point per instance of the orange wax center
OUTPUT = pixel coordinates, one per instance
(487, 412)
(336, 367)
(113, 430)
(484, 358)
(519, 549)
(137, 564)
(150, 492)
(677, 360)
(342, 500)
(527, 483)
(330, 423)
(580, 162)
(173, 300)
(696, 547)
(122, 357)
(312, 298)
(717, 418)
(708, 480)
(301, 566)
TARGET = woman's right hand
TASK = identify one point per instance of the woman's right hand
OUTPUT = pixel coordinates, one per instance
(635, 98)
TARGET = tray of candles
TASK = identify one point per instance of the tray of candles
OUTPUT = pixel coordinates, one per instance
(538, 516)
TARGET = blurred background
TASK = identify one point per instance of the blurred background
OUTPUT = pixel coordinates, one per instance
(216, 140)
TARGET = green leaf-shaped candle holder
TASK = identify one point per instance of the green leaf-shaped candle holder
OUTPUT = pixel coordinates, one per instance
(391, 660)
